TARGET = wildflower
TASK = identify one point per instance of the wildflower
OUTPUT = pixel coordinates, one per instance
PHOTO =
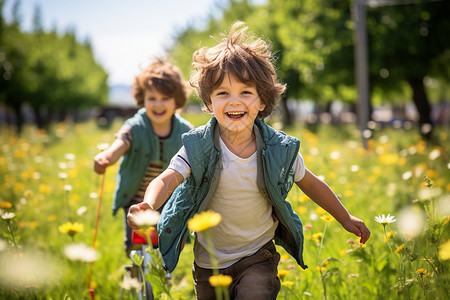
(71, 228)
(307, 227)
(301, 210)
(130, 283)
(282, 273)
(80, 252)
(69, 156)
(5, 204)
(287, 284)
(62, 175)
(382, 219)
(220, 280)
(421, 271)
(388, 235)
(8, 216)
(204, 220)
(81, 210)
(317, 236)
(28, 193)
(67, 187)
(399, 248)
(327, 218)
(146, 218)
(444, 250)
(284, 257)
(411, 221)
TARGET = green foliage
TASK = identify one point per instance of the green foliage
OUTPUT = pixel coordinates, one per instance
(48, 70)
(47, 179)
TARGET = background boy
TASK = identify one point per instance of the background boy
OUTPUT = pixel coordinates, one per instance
(147, 141)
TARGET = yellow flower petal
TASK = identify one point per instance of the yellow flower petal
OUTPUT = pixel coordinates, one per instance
(204, 220)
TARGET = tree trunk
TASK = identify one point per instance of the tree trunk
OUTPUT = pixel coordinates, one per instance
(423, 106)
(285, 113)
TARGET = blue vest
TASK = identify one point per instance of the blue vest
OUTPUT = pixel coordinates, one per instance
(276, 154)
(144, 148)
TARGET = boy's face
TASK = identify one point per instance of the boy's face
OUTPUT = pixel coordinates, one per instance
(160, 108)
(235, 105)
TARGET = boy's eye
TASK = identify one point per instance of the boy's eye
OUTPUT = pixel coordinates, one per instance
(247, 93)
(222, 93)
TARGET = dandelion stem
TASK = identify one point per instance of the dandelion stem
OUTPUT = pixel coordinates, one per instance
(13, 238)
(320, 262)
(214, 262)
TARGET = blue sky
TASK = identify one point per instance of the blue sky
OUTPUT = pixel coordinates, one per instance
(125, 34)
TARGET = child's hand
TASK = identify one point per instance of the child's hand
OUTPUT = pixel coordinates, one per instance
(134, 209)
(100, 163)
(357, 227)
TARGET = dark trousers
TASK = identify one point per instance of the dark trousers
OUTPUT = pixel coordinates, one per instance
(254, 277)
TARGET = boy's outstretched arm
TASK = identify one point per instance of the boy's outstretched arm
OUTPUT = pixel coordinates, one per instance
(322, 194)
(158, 191)
(109, 156)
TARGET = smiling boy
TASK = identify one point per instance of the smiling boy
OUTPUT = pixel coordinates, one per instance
(243, 169)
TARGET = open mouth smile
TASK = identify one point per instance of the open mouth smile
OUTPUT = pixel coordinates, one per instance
(235, 114)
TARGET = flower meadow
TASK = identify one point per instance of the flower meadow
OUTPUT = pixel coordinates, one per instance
(53, 246)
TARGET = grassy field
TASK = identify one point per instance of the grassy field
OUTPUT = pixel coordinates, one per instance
(46, 180)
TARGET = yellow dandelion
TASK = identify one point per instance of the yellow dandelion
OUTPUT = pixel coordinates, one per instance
(204, 220)
(399, 248)
(321, 268)
(317, 236)
(389, 234)
(44, 189)
(33, 224)
(303, 198)
(421, 271)
(220, 280)
(320, 211)
(302, 210)
(19, 188)
(444, 250)
(282, 273)
(284, 257)
(5, 204)
(287, 284)
(327, 218)
(349, 193)
(27, 194)
(52, 218)
(71, 228)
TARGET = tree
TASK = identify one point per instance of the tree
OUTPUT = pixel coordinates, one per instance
(409, 43)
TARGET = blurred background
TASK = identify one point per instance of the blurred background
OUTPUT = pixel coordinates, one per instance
(75, 60)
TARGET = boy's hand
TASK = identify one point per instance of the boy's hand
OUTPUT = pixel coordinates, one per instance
(132, 212)
(357, 227)
(100, 163)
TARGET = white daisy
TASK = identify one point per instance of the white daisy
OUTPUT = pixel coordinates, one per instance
(147, 217)
(80, 252)
(382, 219)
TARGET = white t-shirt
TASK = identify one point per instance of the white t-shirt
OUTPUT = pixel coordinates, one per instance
(247, 222)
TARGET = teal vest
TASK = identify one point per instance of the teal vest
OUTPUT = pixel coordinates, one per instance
(276, 155)
(144, 148)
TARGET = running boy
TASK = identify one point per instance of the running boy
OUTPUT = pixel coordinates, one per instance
(147, 141)
(240, 167)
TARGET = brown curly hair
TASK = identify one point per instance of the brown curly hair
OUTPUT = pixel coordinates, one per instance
(164, 78)
(247, 58)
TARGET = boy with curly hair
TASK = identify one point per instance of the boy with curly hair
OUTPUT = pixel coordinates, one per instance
(146, 142)
(241, 168)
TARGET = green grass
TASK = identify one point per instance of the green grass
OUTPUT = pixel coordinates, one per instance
(386, 178)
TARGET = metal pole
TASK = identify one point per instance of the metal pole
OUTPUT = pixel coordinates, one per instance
(361, 68)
